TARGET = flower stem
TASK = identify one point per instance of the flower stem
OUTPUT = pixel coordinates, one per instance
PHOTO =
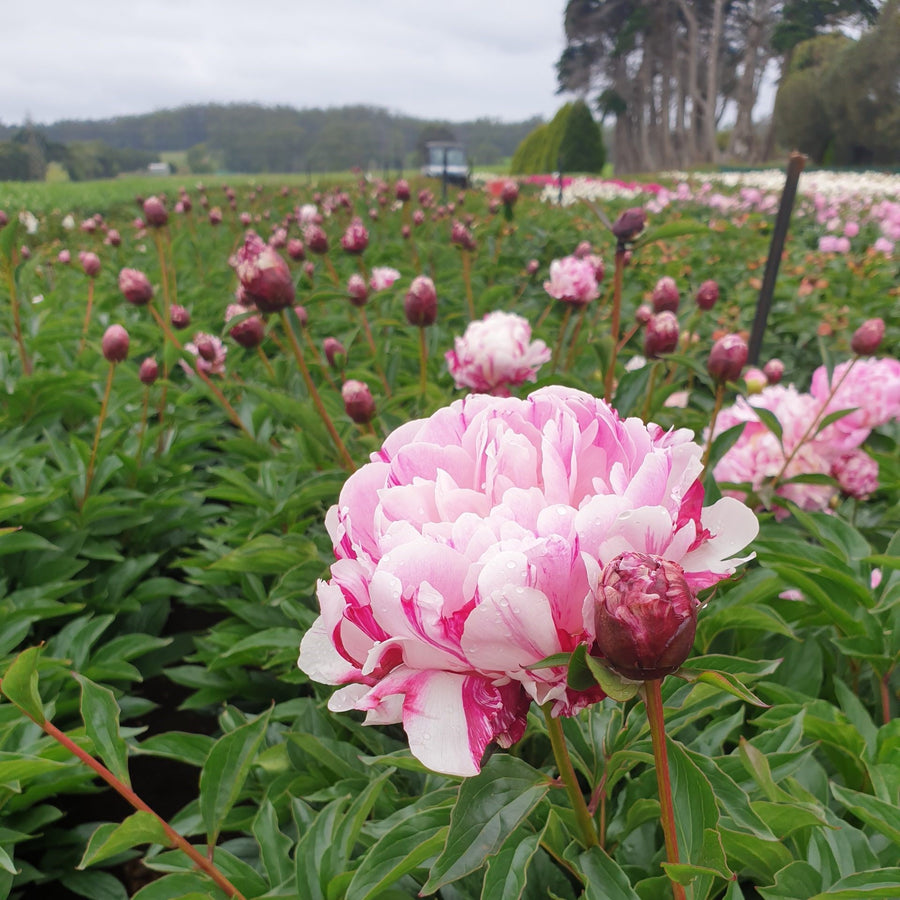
(614, 325)
(467, 278)
(128, 794)
(343, 453)
(331, 269)
(87, 316)
(886, 696)
(100, 419)
(573, 342)
(720, 396)
(371, 341)
(651, 385)
(653, 698)
(569, 779)
(17, 323)
(562, 334)
(423, 360)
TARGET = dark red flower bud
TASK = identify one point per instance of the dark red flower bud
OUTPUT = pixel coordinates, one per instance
(401, 190)
(179, 316)
(532, 267)
(90, 262)
(583, 249)
(115, 344)
(358, 401)
(509, 193)
(295, 249)
(356, 238)
(420, 303)
(357, 290)
(643, 314)
(727, 358)
(665, 295)
(661, 335)
(708, 294)
(867, 338)
(630, 224)
(113, 238)
(645, 616)
(302, 314)
(264, 274)
(135, 286)
(333, 349)
(149, 370)
(4, 219)
(248, 332)
(155, 212)
(316, 239)
(461, 236)
(774, 371)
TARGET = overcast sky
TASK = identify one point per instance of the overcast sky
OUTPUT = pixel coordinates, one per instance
(446, 59)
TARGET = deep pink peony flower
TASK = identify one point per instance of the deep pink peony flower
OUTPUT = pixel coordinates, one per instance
(572, 280)
(496, 352)
(471, 547)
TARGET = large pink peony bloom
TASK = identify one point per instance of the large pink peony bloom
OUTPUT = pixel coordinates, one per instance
(471, 547)
(871, 387)
(496, 352)
(572, 280)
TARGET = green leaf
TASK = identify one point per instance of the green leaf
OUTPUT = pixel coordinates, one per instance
(507, 872)
(785, 818)
(613, 684)
(180, 886)
(767, 417)
(6, 863)
(877, 884)
(225, 771)
(413, 836)
(274, 846)
(268, 555)
(724, 681)
(795, 880)
(490, 806)
(20, 684)
(602, 876)
(883, 817)
(95, 885)
(754, 856)
(101, 721)
(678, 228)
(192, 749)
(110, 839)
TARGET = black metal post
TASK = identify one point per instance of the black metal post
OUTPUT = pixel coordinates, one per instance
(444, 179)
(796, 163)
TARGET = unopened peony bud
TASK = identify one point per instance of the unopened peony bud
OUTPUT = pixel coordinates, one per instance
(179, 316)
(4, 219)
(90, 262)
(867, 338)
(643, 314)
(316, 239)
(113, 238)
(727, 358)
(264, 274)
(661, 335)
(64, 257)
(420, 303)
(645, 616)
(461, 236)
(357, 290)
(401, 190)
(358, 401)
(248, 332)
(135, 286)
(665, 295)
(333, 350)
(755, 379)
(509, 193)
(774, 371)
(629, 225)
(215, 216)
(583, 249)
(155, 212)
(356, 238)
(857, 474)
(149, 370)
(708, 294)
(296, 250)
(532, 267)
(115, 344)
(302, 314)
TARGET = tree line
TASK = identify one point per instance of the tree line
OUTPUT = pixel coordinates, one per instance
(671, 73)
(254, 138)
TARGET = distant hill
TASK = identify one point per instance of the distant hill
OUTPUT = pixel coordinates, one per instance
(254, 138)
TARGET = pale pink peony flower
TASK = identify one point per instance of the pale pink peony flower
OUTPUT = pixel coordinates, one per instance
(472, 546)
(210, 353)
(870, 387)
(382, 277)
(572, 280)
(495, 353)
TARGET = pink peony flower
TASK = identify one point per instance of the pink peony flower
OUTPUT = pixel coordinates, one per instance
(496, 352)
(382, 277)
(857, 474)
(356, 237)
(472, 546)
(572, 280)
(210, 353)
(871, 387)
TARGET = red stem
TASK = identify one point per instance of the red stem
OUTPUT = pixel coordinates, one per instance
(614, 326)
(653, 699)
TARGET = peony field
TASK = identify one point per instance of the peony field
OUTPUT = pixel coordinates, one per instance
(365, 537)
